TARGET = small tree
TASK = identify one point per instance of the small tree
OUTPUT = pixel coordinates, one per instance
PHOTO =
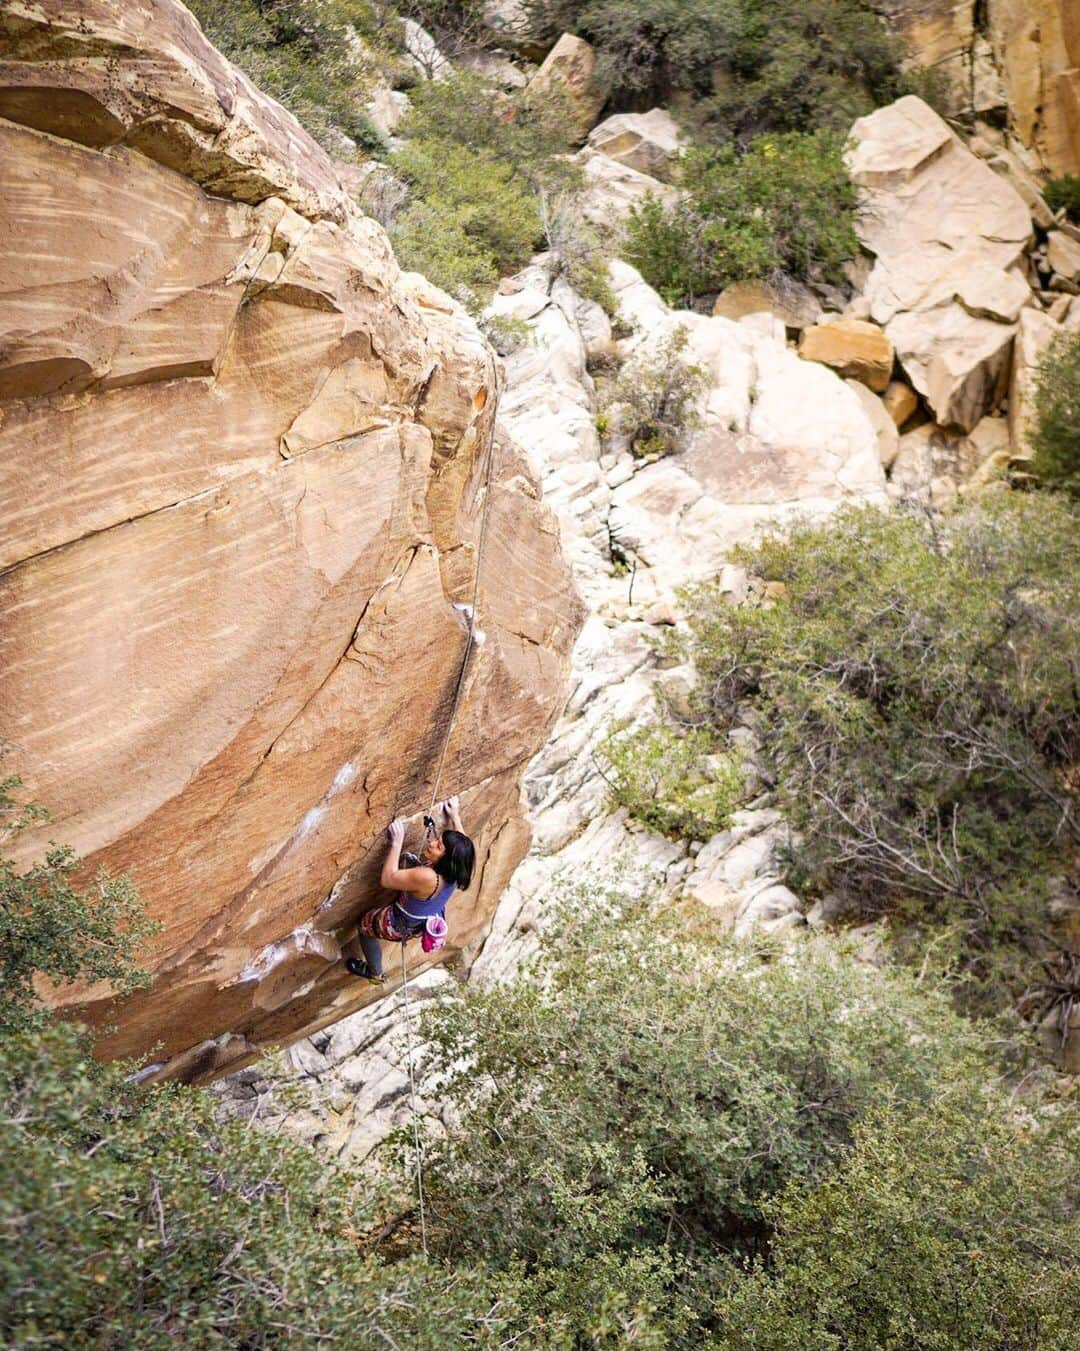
(654, 400)
(642, 1096)
(1063, 194)
(51, 926)
(1055, 429)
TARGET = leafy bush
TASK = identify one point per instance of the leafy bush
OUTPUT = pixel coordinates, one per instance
(52, 927)
(787, 205)
(653, 402)
(670, 781)
(481, 165)
(126, 1208)
(468, 110)
(465, 193)
(302, 53)
(955, 1227)
(1064, 194)
(916, 684)
(629, 1117)
(757, 65)
(1055, 430)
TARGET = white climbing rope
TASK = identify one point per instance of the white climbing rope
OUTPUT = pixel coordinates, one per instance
(417, 1145)
(458, 688)
(470, 642)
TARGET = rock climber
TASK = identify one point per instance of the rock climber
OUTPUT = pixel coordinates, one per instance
(425, 886)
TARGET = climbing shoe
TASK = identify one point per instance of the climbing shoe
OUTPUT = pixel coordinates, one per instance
(356, 967)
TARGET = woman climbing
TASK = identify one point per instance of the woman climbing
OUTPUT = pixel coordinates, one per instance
(425, 885)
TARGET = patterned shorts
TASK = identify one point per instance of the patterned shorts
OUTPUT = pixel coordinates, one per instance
(379, 923)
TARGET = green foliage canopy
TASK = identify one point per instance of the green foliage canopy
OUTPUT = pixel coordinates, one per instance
(786, 205)
(916, 684)
(753, 65)
(302, 53)
(52, 927)
(1055, 429)
(632, 1127)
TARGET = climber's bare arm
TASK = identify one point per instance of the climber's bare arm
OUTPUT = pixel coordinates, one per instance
(420, 881)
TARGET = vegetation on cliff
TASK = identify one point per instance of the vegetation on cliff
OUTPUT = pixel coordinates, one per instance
(786, 205)
(751, 66)
(306, 54)
(665, 1141)
(913, 682)
(1055, 430)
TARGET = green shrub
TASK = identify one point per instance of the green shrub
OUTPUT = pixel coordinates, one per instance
(482, 166)
(628, 1117)
(757, 65)
(949, 1228)
(916, 684)
(129, 1209)
(653, 401)
(468, 110)
(51, 926)
(301, 53)
(1064, 194)
(787, 205)
(670, 781)
(472, 220)
(1055, 429)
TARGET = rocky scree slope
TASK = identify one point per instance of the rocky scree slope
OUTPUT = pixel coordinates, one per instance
(244, 461)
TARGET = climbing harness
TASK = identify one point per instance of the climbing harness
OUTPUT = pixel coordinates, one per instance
(458, 688)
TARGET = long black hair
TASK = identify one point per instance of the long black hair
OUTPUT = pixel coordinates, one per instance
(457, 863)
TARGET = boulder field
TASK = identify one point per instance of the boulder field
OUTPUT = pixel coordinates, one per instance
(245, 463)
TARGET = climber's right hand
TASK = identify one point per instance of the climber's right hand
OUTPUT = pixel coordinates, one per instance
(395, 833)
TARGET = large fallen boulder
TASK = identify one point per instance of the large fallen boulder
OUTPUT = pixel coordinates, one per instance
(948, 236)
(612, 189)
(853, 347)
(648, 142)
(244, 463)
(569, 72)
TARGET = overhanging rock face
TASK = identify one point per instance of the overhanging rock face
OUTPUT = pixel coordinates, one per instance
(243, 463)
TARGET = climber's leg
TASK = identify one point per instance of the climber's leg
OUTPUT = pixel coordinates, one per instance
(375, 927)
(372, 956)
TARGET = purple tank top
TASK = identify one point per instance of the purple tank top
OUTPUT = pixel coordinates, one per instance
(411, 913)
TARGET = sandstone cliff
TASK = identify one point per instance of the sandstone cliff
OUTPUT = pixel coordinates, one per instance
(243, 462)
(1016, 58)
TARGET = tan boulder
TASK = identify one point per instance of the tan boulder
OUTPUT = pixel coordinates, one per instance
(900, 401)
(948, 235)
(885, 429)
(243, 462)
(855, 348)
(648, 142)
(612, 189)
(794, 304)
(1063, 255)
(570, 69)
(386, 108)
(179, 101)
